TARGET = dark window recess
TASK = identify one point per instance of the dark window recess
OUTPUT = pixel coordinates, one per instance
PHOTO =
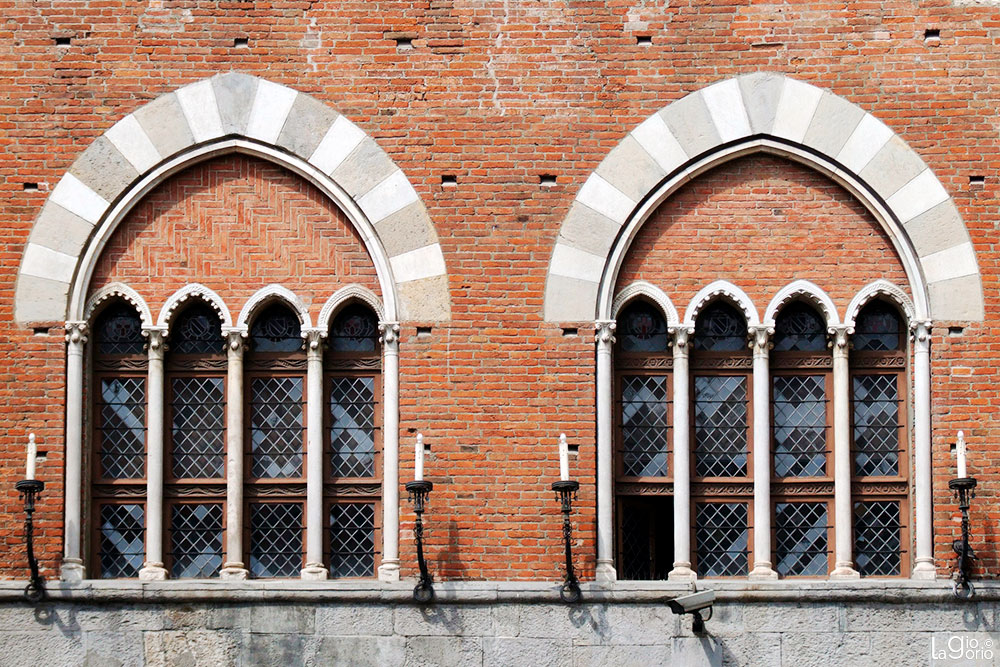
(276, 329)
(118, 331)
(197, 330)
(647, 537)
(720, 328)
(878, 328)
(799, 328)
(355, 329)
(642, 328)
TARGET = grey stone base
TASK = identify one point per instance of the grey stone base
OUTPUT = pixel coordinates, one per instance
(110, 626)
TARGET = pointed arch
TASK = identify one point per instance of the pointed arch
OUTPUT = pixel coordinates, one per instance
(342, 297)
(194, 291)
(763, 113)
(231, 113)
(269, 294)
(121, 291)
(725, 290)
(641, 288)
(802, 290)
(874, 290)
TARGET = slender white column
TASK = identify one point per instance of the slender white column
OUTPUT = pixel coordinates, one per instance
(843, 512)
(924, 565)
(605, 530)
(682, 458)
(234, 568)
(314, 569)
(152, 569)
(388, 570)
(761, 454)
(72, 565)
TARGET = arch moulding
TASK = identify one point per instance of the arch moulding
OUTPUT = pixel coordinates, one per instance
(769, 113)
(231, 113)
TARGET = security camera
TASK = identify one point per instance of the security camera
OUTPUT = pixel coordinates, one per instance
(694, 604)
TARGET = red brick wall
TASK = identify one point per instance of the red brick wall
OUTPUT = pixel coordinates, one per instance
(497, 94)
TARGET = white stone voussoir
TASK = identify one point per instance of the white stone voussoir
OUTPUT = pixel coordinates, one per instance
(417, 264)
(47, 263)
(338, 142)
(76, 197)
(133, 142)
(201, 110)
(725, 104)
(270, 108)
(389, 196)
(606, 199)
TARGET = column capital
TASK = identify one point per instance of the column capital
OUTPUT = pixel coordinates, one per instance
(840, 335)
(235, 338)
(157, 339)
(605, 332)
(389, 333)
(921, 332)
(76, 332)
(314, 338)
(760, 338)
(682, 334)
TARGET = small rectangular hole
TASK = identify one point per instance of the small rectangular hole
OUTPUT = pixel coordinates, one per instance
(977, 182)
(40, 331)
(241, 43)
(449, 180)
(643, 40)
(62, 41)
(404, 43)
(955, 332)
(30, 187)
(547, 180)
(570, 331)
(423, 332)
(932, 36)
(574, 450)
(427, 448)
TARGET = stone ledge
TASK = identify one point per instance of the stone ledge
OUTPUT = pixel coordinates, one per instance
(903, 591)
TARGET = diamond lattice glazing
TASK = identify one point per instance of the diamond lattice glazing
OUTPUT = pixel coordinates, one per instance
(121, 428)
(800, 536)
(276, 427)
(275, 539)
(720, 426)
(198, 427)
(196, 540)
(877, 538)
(122, 550)
(352, 540)
(721, 536)
(799, 404)
(876, 425)
(645, 434)
(352, 432)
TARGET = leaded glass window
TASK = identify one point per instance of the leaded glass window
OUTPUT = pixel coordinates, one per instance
(878, 327)
(876, 424)
(352, 433)
(722, 534)
(801, 539)
(642, 328)
(198, 426)
(645, 431)
(121, 544)
(720, 426)
(275, 539)
(877, 538)
(352, 540)
(720, 328)
(118, 331)
(121, 427)
(195, 539)
(276, 427)
(799, 328)
(355, 329)
(276, 329)
(197, 330)
(799, 426)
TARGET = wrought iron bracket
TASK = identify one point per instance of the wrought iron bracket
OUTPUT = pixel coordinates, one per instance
(423, 592)
(965, 490)
(565, 493)
(30, 490)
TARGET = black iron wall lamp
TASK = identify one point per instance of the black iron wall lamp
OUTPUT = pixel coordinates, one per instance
(30, 489)
(566, 490)
(964, 488)
(419, 489)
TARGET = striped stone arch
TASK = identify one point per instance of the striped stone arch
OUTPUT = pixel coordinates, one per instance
(771, 113)
(231, 113)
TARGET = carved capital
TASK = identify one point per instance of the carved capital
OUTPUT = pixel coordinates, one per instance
(921, 331)
(389, 333)
(681, 336)
(76, 333)
(234, 340)
(157, 340)
(314, 339)
(760, 338)
(605, 332)
(840, 337)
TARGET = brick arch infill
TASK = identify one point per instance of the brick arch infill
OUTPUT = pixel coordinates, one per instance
(231, 113)
(763, 113)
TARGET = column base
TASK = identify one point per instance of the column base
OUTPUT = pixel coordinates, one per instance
(845, 571)
(924, 570)
(388, 571)
(233, 572)
(314, 572)
(152, 572)
(682, 572)
(605, 573)
(72, 570)
(762, 571)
